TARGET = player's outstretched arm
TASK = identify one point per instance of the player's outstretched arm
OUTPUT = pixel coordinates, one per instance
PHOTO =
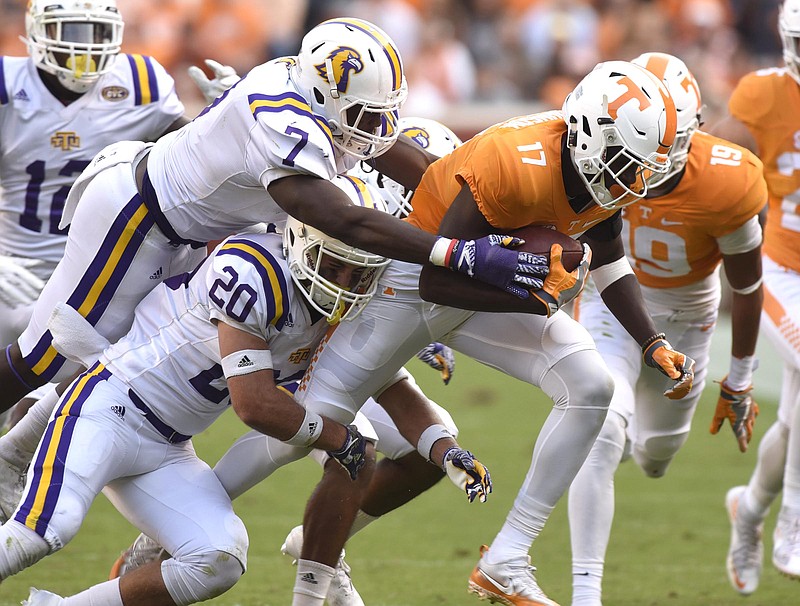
(263, 406)
(320, 203)
(419, 423)
(621, 293)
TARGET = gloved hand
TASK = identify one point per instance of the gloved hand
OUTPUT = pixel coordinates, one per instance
(491, 260)
(18, 285)
(467, 473)
(677, 366)
(439, 357)
(560, 286)
(352, 454)
(224, 77)
(740, 409)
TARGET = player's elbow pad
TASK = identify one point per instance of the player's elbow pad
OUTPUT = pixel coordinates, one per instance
(605, 275)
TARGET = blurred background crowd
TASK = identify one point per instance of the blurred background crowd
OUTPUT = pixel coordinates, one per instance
(469, 63)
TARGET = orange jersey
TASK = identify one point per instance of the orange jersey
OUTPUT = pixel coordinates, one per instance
(768, 102)
(672, 238)
(514, 172)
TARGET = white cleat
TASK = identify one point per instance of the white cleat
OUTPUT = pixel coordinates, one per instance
(12, 484)
(341, 592)
(143, 551)
(511, 583)
(786, 543)
(37, 597)
(746, 551)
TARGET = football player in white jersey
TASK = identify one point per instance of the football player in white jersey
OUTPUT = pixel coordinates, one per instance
(704, 211)
(247, 322)
(765, 117)
(266, 147)
(59, 106)
(399, 477)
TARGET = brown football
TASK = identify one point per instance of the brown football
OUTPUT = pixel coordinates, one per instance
(538, 239)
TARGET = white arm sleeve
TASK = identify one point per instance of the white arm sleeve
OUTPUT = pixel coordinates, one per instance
(743, 240)
(605, 275)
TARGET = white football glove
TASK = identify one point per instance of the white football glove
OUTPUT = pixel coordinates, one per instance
(224, 77)
(18, 285)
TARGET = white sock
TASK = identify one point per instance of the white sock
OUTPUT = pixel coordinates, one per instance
(791, 477)
(104, 594)
(767, 479)
(19, 444)
(587, 585)
(311, 584)
(591, 511)
(523, 524)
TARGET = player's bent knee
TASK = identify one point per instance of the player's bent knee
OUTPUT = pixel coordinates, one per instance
(589, 383)
(201, 576)
(655, 454)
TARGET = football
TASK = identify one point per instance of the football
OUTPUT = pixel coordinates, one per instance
(538, 240)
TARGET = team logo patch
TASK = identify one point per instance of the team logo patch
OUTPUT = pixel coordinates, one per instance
(419, 135)
(65, 140)
(114, 93)
(344, 61)
(301, 355)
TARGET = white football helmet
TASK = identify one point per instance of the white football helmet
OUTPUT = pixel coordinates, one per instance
(621, 125)
(315, 258)
(789, 28)
(352, 74)
(431, 136)
(76, 40)
(685, 93)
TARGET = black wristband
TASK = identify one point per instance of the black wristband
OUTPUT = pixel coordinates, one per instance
(652, 340)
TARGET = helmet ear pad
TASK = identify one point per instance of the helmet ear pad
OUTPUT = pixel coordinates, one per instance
(77, 41)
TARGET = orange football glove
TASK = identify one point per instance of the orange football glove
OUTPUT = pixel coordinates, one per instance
(740, 409)
(560, 286)
(677, 366)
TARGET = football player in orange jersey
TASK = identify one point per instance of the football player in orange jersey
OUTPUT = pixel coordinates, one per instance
(765, 117)
(573, 171)
(703, 211)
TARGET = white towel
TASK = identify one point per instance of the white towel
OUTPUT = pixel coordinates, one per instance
(74, 337)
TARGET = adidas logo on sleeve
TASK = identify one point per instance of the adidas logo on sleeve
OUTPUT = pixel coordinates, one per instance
(245, 362)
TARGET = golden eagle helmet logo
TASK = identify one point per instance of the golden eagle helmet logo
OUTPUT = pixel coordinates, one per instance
(418, 135)
(344, 62)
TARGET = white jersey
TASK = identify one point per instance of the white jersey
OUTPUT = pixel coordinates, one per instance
(44, 145)
(170, 358)
(210, 177)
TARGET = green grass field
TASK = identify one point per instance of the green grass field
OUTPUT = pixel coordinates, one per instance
(668, 547)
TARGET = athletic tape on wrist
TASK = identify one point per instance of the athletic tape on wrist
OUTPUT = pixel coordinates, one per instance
(309, 431)
(605, 275)
(431, 434)
(245, 361)
(441, 251)
(740, 375)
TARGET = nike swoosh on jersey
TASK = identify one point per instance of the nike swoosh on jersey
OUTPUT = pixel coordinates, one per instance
(667, 223)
